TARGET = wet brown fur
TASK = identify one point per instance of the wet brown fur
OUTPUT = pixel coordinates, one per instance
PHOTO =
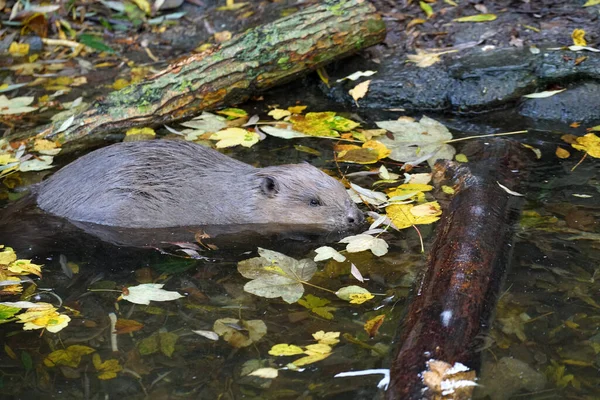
(164, 183)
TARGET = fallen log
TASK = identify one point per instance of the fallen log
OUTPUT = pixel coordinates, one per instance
(459, 288)
(249, 63)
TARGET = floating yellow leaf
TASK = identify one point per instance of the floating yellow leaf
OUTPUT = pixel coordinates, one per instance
(25, 267)
(354, 294)
(235, 136)
(71, 356)
(562, 153)
(326, 124)
(590, 3)
(313, 358)
(415, 186)
(359, 298)
(370, 152)
(44, 316)
(359, 91)
(318, 348)
(296, 109)
(7, 159)
(477, 18)
(408, 192)
(278, 113)
(402, 217)
(7, 255)
(578, 37)
(329, 338)
(373, 325)
(284, 349)
(426, 210)
(317, 305)
(107, 369)
(589, 143)
(11, 289)
(315, 352)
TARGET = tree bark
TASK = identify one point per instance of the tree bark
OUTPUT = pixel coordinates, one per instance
(458, 290)
(254, 61)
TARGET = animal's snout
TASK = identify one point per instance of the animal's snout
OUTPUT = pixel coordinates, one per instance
(355, 217)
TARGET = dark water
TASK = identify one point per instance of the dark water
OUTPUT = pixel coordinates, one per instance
(548, 317)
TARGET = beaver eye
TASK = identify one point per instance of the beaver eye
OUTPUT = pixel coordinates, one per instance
(314, 202)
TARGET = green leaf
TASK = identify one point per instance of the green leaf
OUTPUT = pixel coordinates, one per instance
(95, 42)
(167, 342)
(148, 345)
(26, 360)
(7, 312)
(426, 8)
(317, 305)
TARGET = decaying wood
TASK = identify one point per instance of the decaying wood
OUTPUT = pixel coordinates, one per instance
(249, 63)
(458, 290)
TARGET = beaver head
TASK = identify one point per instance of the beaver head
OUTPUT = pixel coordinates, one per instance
(303, 194)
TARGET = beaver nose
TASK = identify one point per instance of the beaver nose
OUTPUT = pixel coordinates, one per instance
(356, 217)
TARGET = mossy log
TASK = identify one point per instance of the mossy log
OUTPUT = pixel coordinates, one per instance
(247, 64)
(458, 290)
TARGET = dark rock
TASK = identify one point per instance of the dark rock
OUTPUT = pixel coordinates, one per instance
(579, 103)
(478, 81)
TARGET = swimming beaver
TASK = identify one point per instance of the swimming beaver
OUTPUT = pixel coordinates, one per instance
(167, 183)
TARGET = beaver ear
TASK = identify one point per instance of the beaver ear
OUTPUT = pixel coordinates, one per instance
(269, 186)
